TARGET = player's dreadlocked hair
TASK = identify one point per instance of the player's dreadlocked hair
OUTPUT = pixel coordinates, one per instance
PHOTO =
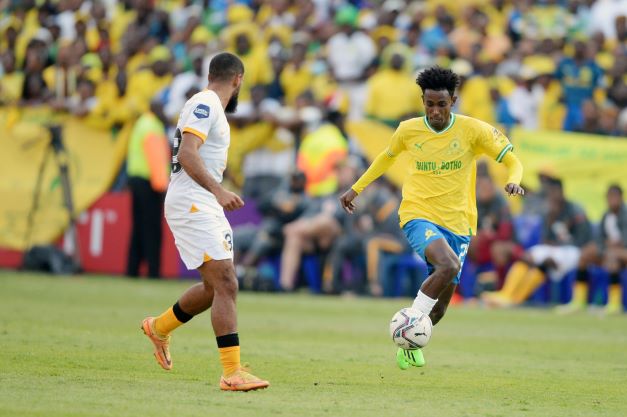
(437, 78)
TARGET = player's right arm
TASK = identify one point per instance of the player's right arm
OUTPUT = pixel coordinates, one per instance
(378, 167)
(191, 162)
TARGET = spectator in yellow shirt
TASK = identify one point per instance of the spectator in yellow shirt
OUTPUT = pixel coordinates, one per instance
(8, 38)
(392, 93)
(61, 78)
(243, 40)
(34, 89)
(475, 98)
(143, 85)
(87, 35)
(465, 35)
(11, 81)
(297, 75)
(111, 95)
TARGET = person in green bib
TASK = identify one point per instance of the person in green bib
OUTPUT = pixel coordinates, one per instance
(148, 169)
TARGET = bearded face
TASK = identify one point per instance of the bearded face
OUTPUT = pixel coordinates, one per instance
(231, 106)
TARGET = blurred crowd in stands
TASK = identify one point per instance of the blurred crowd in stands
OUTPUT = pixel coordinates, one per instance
(544, 64)
(313, 65)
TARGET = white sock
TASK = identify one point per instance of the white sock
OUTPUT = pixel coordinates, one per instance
(423, 303)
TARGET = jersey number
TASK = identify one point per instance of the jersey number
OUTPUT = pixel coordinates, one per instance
(463, 252)
(228, 241)
(176, 166)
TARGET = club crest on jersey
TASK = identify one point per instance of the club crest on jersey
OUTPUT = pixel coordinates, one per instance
(201, 111)
(455, 147)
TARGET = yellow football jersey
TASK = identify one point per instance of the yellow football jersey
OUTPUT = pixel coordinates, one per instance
(440, 183)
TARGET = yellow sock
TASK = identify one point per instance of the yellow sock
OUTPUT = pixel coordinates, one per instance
(513, 279)
(166, 322)
(532, 280)
(229, 358)
(580, 293)
(614, 296)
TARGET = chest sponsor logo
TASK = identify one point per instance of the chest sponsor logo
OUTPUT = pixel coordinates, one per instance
(201, 111)
(435, 166)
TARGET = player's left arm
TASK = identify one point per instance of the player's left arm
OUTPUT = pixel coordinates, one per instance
(190, 160)
(495, 144)
(515, 169)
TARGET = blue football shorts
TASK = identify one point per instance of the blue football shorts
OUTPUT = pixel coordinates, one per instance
(420, 233)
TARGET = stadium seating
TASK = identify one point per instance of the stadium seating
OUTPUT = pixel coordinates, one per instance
(401, 275)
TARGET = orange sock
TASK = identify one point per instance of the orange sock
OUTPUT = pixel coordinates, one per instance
(229, 358)
(166, 322)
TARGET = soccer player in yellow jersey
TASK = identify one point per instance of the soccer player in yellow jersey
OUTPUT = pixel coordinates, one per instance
(438, 213)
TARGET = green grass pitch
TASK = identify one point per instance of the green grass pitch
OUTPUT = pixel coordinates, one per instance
(72, 347)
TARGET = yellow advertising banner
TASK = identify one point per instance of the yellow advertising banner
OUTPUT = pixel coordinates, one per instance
(587, 164)
(94, 157)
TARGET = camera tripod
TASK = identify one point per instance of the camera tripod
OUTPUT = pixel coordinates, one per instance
(56, 147)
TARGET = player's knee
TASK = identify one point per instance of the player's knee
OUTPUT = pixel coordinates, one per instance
(229, 285)
(451, 267)
(225, 281)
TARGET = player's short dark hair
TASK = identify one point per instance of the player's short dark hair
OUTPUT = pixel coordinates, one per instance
(615, 188)
(438, 78)
(225, 66)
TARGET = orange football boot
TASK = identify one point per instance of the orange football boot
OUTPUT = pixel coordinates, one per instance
(161, 344)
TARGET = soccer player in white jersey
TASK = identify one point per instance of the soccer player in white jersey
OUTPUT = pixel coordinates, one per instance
(194, 209)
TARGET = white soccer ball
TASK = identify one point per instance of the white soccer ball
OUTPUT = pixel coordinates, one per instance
(410, 329)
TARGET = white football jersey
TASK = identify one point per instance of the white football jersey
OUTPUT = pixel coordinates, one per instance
(203, 116)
